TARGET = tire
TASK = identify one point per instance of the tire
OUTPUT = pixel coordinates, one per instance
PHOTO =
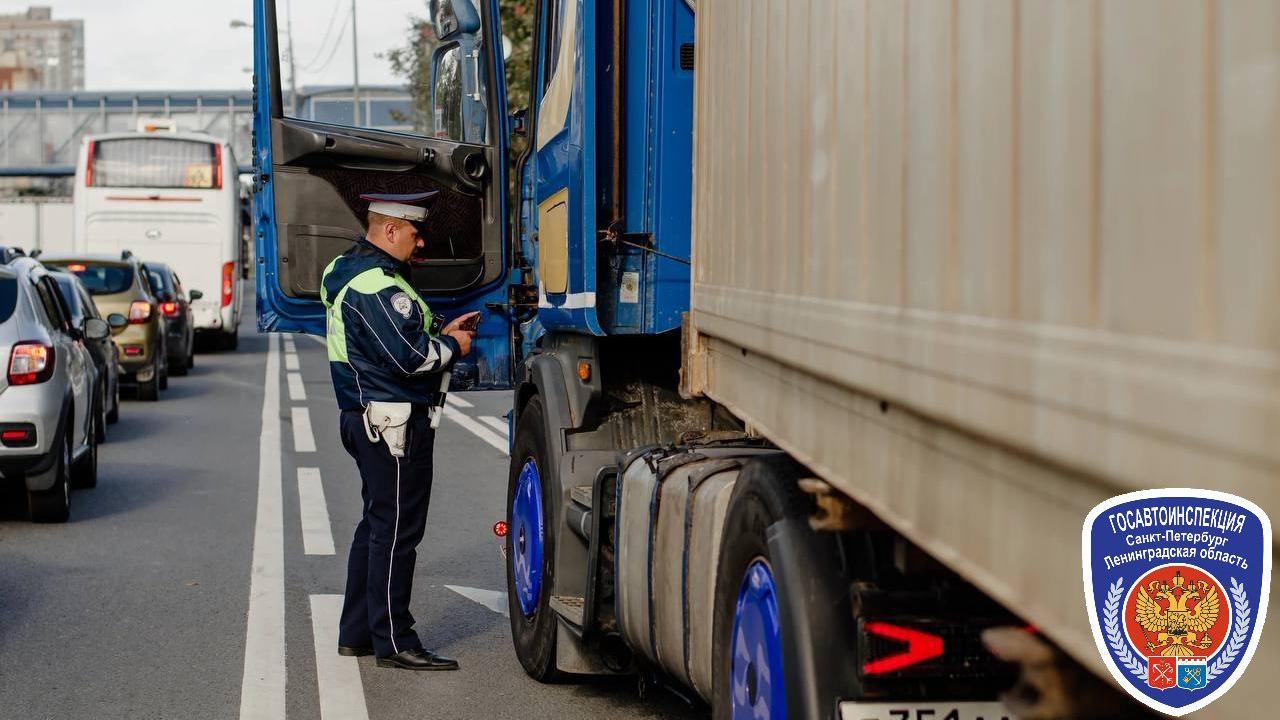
(164, 375)
(150, 390)
(231, 340)
(533, 623)
(746, 595)
(179, 366)
(113, 415)
(84, 472)
(54, 505)
(100, 418)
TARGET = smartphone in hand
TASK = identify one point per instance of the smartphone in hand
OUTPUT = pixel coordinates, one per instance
(470, 322)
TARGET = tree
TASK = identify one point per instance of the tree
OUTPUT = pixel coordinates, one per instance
(412, 61)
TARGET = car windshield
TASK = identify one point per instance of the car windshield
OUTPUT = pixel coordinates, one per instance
(102, 279)
(8, 297)
(67, 287)
(159, 281)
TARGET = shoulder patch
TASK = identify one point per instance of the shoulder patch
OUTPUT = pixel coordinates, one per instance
(401, 303)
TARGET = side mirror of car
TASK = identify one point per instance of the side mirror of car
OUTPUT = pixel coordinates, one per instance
(117, 323)
(195, 295)
(96, 329)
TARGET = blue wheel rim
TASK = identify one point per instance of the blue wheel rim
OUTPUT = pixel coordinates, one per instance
(526, 538)
(756, 686)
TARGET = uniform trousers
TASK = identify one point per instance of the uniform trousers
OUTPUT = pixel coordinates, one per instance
(396, 492)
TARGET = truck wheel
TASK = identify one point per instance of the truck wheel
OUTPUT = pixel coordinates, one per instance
(531, 548)
(54, 505)
(748, 679)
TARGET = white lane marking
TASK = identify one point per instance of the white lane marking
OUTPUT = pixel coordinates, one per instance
(457, 401)
(341, 691)
(317, 535)
(288, 343)
(297, 391)
(492, 599)
(475, 428)
(263, 684)
(319, 339)
(303, 439)
(496, 423)
(290, 361)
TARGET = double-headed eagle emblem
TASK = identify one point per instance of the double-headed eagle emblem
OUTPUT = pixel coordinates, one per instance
(1180, 631)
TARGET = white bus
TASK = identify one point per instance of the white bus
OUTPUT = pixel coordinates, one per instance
(167, 197)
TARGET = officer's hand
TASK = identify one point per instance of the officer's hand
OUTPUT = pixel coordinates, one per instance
(464, 339)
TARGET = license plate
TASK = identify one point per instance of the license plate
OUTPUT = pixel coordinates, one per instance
(914, 711)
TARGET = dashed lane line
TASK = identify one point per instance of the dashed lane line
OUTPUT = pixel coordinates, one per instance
(475, 428)
(297, 391)
(303, 439)
(317, 533)
(262, 686)
(456, 401)
(496, 423)
(492, 599)
(338, 677)
(290, 361)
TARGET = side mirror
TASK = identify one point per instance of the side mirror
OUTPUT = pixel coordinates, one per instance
(195, 295)
(117, 323)
(518, 123)
(453, 17)
(96, 329)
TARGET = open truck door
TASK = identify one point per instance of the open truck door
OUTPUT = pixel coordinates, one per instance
(312, 162)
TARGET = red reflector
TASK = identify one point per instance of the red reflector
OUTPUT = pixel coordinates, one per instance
(921, 647)
(133, 350)
(500, 529)
(13, 435)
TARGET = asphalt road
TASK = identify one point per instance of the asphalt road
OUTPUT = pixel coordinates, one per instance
(140, 607)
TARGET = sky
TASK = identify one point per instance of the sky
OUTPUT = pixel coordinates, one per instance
(189, 44)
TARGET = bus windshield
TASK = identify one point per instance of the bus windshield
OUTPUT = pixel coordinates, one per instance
(154, 162)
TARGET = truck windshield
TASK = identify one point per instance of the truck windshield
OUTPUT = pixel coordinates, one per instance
(102, 279)
(153, 162)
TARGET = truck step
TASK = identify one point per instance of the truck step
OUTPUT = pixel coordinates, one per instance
(568, 607)
(582, 495)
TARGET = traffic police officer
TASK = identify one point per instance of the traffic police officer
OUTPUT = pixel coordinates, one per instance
(386, 366)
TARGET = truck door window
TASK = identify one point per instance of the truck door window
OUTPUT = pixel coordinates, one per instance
(446, 107)
(552, 32)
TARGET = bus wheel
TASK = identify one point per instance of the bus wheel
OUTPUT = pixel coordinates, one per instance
(530, 547)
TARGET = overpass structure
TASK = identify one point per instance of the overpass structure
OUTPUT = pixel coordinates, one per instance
(40, 132)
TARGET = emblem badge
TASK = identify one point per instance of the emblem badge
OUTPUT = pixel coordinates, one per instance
(1176, 584)
(401, 303)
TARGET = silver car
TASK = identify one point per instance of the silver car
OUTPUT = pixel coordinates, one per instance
(48, 410)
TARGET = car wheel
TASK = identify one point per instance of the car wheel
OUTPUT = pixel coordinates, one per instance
(191, 352)
(54, 505)
(113, 415)
(150, 390)
(531, 548)
(100, 418)
(84, 472)
(180, 366)
(163, 372)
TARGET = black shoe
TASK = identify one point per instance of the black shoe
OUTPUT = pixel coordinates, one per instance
(418, 659)
(347, 651)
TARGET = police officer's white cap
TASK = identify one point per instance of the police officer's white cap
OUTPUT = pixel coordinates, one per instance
(412, 206)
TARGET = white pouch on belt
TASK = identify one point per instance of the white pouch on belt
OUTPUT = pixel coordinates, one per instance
(388, 421)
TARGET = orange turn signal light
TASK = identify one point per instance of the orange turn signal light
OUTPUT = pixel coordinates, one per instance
(584, 371)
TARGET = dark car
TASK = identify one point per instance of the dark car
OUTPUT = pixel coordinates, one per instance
(104, 350)
(175, 306)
